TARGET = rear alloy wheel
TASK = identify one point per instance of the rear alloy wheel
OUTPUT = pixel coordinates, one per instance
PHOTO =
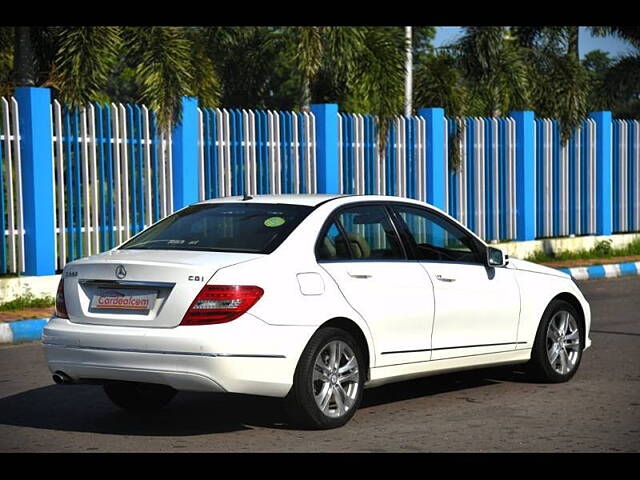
(328, 381)
(139, 397)
(559, 343)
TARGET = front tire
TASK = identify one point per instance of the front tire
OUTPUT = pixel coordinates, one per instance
(328, 381)
(559, 343)
(139, 397)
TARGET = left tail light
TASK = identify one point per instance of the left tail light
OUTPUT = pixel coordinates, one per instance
(61, 307)
(221, 303)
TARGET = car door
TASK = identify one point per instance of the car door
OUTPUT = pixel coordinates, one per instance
(361, 250)
(477, 308)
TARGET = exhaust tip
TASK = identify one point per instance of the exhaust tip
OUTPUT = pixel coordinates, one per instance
(62, 378)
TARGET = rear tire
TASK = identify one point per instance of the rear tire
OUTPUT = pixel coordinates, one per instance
(328, 381)
(559, 343)
(139, 397)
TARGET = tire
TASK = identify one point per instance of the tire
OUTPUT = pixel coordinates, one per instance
(139, 397)
(557, 350)
(323, 396)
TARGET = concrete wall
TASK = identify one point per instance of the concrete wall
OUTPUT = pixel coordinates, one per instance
(524, 249)
(14, 287)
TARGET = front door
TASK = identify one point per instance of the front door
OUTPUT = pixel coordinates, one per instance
(476, 307)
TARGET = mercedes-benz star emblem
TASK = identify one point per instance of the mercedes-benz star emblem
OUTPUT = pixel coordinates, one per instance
(121, 272)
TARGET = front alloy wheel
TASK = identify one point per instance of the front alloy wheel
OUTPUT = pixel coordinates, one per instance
(563, 342)
(558, 346)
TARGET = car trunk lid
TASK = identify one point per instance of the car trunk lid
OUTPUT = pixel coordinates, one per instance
(140, 288)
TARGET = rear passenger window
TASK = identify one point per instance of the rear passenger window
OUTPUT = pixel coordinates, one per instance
(370, 234)
(332, 246)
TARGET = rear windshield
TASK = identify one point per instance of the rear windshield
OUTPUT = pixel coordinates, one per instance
(223, 227)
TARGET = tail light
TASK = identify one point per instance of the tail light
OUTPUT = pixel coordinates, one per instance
(61, 307)
(221, 303)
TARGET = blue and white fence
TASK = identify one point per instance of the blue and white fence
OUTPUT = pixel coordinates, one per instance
(626, 175)
(481, 191)
(11, 215)
(113, 173)
(565, 180)
(402, 169)
(256, 152)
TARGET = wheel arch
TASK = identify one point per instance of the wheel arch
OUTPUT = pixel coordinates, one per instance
(574, 302)
(356, 332)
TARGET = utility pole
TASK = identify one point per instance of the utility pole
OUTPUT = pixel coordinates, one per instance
(408, 82)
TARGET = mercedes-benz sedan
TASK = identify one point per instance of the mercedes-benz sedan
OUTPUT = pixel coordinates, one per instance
(310, 298)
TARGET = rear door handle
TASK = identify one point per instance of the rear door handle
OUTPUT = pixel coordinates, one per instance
(445, 279)
(359, 275)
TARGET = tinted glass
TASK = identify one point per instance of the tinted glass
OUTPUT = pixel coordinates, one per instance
(370, 233)
(223, 227)
(435, 238)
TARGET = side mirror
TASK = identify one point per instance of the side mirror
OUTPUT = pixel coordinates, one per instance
(496, 258)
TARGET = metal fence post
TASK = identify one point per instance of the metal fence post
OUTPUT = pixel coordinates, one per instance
(525, 175)
(435, 171)
(603, 172)
(184, 152)
(327, 147)
(34, 107)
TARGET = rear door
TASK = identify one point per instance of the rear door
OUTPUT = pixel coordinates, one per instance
(477, 308)
(361, 250)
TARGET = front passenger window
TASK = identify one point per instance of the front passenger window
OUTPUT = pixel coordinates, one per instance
(435, 238)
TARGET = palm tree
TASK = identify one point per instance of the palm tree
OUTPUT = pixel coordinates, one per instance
(78, 62)
(366, 63)
(620, 86)
(494, 70)
(523, 68)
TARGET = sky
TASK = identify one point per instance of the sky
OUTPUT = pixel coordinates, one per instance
(588, 42)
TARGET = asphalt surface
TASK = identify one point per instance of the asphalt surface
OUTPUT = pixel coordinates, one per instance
(489, 410)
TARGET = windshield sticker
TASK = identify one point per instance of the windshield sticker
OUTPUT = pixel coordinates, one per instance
(274, 222)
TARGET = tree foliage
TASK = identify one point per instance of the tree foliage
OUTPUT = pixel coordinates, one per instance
(488, 72)
(618, 87)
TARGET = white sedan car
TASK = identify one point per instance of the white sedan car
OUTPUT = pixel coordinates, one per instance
(311, 298)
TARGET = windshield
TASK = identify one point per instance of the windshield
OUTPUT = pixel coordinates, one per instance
(223, 227)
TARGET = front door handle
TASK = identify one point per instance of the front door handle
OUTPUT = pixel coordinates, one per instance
(445, 279)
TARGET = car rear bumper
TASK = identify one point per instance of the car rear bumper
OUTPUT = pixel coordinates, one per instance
(249, 357)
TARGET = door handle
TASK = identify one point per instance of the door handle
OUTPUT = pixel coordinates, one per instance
(359, 275)
(445, 279)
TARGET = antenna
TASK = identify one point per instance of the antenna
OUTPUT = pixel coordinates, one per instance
(246, 197)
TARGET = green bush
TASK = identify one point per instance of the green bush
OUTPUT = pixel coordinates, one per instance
(28, 301)
(602, 249)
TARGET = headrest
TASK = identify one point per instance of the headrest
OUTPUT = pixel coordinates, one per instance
(359, 246)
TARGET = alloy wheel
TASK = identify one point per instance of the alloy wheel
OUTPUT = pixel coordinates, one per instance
(336, 379)
(563, 342)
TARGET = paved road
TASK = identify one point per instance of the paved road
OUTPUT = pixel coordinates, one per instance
(482, 411)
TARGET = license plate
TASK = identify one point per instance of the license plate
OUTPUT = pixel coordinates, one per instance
(123, 299)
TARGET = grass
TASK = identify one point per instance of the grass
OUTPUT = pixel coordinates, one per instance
(27, 301)
(601, 250)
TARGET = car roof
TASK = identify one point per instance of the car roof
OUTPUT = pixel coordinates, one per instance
(293, 199)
